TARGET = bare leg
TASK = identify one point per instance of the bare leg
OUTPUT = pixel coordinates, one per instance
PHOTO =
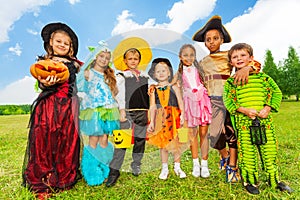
(233, 157)
(103, 140)
(204, 142)
(93, 140)
(194, 143)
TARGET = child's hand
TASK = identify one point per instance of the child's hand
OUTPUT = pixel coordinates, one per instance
(86, 75)
(250, 112)
(150, 127)
(181, 120)
(241, 76)
(49, 81)
(123, 115)
(264, 112)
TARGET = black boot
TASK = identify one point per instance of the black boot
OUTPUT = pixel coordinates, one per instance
(112, 177)
(252, 189)
(283, 187)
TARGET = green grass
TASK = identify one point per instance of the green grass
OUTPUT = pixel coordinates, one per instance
(13, 140)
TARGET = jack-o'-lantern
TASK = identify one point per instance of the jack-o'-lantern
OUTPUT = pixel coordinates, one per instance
(45, 68)
(122, 138)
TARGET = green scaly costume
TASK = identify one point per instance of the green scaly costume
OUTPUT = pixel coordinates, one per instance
(261, 90)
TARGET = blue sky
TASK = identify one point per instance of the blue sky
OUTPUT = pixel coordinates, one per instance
(165, 24)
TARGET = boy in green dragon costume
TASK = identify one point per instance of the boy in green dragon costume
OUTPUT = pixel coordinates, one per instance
(250, 107)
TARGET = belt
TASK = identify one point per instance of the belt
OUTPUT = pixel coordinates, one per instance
(216, 76)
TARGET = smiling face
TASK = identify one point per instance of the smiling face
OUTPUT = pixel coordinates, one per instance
(240, 58)
(213, 40)
(102, 60)
(187, 56)
(162, 72)
(60, 43)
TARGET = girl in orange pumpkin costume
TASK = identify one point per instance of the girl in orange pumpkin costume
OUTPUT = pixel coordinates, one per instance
(165, 116)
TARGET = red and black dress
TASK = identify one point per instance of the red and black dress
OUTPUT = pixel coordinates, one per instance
(51, 160)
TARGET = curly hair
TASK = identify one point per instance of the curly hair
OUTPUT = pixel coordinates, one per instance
(109, 78)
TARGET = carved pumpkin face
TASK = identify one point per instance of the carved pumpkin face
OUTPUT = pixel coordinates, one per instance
(45, 68)
(122, 138)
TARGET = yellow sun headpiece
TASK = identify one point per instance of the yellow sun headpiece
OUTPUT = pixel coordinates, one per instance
(133, 42)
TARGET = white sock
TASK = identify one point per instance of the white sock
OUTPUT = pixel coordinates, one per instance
(204, 163)
(176, 165)
(165, 165)
(196, 161)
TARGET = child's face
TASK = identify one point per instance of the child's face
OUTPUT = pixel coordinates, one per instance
(213, 40)
(61, 43)
(103, 59)
(162, 72)
(240, 58)
(187, 56)
(132, 60)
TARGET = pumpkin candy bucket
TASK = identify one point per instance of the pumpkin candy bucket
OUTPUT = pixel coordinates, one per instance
(45, 68)
(122, 138)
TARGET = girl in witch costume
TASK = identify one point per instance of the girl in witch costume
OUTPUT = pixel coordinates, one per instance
(51, 160)
(99, 114)
(131, 56)
(197, 106)
(165, 116)
(250, 107)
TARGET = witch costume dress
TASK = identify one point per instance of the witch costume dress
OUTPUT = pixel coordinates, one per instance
(99, 115)
(51, 160)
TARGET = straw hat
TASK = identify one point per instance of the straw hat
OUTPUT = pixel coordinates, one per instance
(133, 42)
(213, 23)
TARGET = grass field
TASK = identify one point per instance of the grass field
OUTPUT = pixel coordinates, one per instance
(13, 140)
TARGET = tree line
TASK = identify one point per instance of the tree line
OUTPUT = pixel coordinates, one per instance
(14, 109)
(286, 74)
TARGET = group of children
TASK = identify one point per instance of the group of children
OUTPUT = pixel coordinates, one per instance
(200, 96)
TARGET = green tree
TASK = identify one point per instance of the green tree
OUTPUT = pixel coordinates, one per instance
(290, 73)
(270, 67)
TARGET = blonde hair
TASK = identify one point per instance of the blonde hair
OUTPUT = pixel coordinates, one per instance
(109, 76)
(49, 49)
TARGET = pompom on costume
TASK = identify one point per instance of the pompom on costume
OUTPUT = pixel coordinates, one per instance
(260, 90)
(51, 160)
(99, 115)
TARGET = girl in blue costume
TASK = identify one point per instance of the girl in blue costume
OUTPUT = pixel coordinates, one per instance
(99, 114)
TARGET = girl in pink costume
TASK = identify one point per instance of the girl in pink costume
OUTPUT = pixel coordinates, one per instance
(197, 107)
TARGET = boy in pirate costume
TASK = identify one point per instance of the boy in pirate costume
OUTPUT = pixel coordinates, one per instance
(250, 107)
(131, 56)
(217, 69)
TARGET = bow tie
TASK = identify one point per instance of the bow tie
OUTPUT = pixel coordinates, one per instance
(162, 88)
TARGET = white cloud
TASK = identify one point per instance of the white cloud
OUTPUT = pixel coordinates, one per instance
(270, 24)
(33, 32)
(182, 15)
(16, 50)
(19, 92)
(12, 10)
(74, 1)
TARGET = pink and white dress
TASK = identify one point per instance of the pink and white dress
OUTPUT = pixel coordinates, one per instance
(197, 106)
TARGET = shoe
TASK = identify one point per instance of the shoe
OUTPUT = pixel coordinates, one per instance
(164, 174)
(204, 169)
(136, 170)
(252, 189)
(112, 179)
(283, 187)
(180, 173)
(232, 175)
(196, 171)
(223, 163)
